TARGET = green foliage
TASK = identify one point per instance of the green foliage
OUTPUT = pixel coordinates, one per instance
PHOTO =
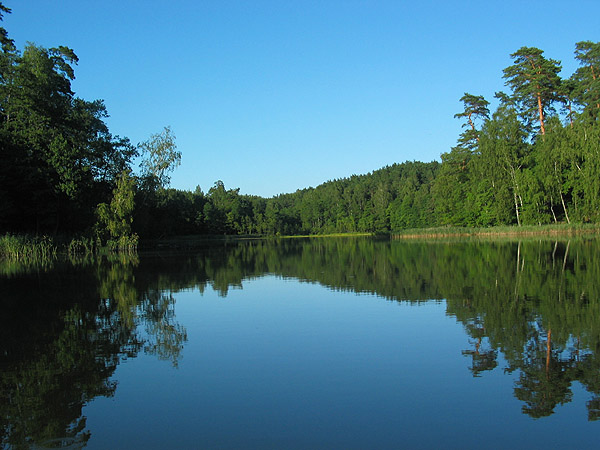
(27, 248)
(503, 173)
(58, 157)
(114, 220)
(586, 79)
(60, 164)
(160, 158)
(535, 83)
(475, 108)
(82, 246)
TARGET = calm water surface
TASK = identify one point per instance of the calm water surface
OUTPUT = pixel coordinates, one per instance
(315, 343)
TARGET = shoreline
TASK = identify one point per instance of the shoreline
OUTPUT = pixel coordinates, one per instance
(502, 231)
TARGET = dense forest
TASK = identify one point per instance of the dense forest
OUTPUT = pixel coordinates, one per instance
(534, 160)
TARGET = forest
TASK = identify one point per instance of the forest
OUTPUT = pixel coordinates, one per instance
(533, 160)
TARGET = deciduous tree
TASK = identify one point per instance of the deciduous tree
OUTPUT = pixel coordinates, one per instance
(160, 158)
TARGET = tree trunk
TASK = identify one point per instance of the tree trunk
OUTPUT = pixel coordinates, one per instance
(570, 114)
(516, 193)
(517, 209)
(564, 207)
(560, 193)
(541, 112)
(552, 209)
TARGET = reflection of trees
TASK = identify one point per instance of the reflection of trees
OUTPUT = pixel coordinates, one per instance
(116, 282)
(165, 337)
(539, 314)
(146, 308)
(530, 300)
(60, 345)
(536, 303)
(589, 376)
(544, 380)
(60, 364)
(483, 356)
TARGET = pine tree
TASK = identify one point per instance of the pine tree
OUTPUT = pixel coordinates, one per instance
(535, 83)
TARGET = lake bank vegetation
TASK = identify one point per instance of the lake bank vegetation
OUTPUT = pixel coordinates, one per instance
(534, 160)
(550, 230)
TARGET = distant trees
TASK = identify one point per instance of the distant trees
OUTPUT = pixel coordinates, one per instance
(451, 187)
(501, 159)
(527, 162)
(532, 160)
(154, 201)
(476, 109)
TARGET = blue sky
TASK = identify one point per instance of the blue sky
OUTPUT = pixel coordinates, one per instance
(274, 96)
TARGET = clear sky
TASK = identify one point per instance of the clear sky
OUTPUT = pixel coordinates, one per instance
(274, 96)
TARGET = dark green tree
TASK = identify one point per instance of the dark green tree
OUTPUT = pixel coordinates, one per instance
(114, 220)
(475, 109)
(58, 158)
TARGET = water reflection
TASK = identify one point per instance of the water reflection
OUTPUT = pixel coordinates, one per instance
(63, 333)
(64, 329)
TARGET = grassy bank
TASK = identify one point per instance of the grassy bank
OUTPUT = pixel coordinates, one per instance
(501, 231)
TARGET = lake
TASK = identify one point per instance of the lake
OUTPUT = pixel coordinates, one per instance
(306, 343)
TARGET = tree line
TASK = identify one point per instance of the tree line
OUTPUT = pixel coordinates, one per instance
(62, 170)
(534, 160)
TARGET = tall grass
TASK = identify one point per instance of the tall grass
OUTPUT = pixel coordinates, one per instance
(22, 253)
(31, 248)
(127, 244)
(499, 231)
(23, 247)
(82, 246)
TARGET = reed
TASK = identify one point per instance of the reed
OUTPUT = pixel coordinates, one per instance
(499, 231)
(83, 246)
(24, 247)
(127, 244)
